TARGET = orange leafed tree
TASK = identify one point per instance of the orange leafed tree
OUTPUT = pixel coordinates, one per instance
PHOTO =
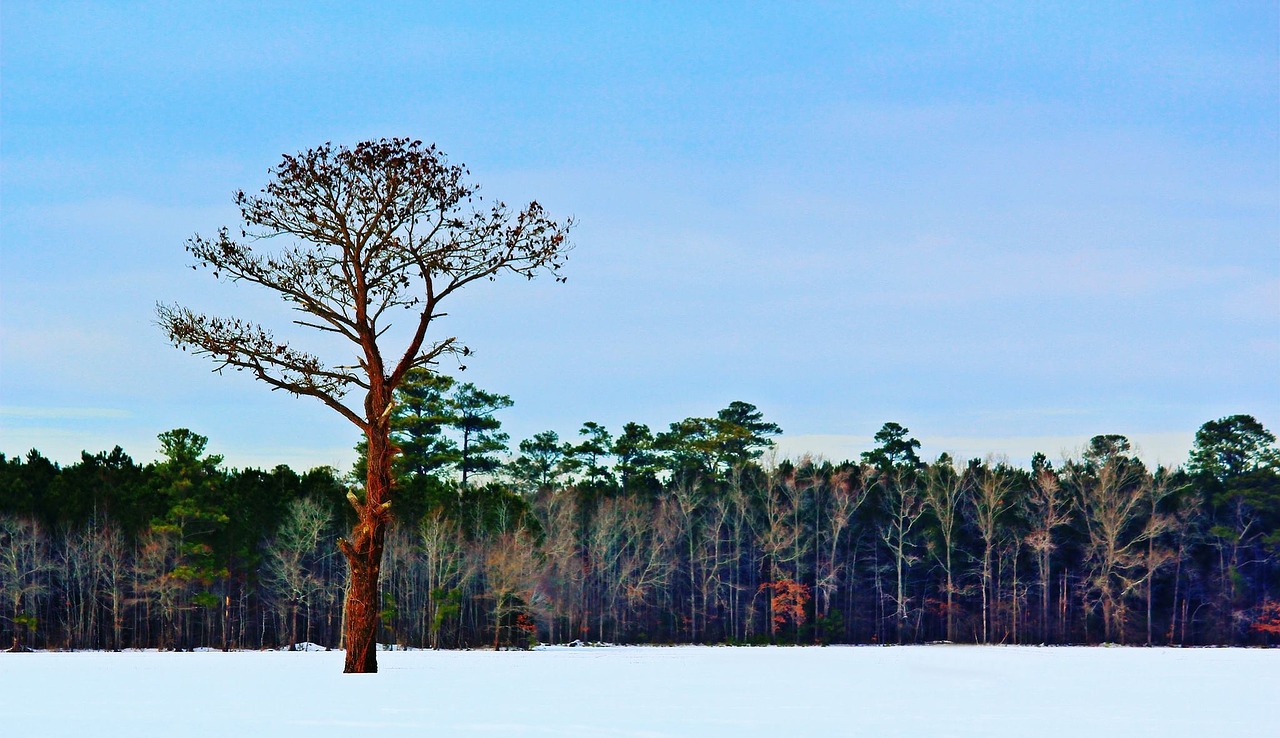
(1268, 619)
(790, 598)
(383, 230)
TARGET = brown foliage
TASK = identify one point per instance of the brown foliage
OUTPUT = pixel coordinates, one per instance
(1268, 619)
(789, 601)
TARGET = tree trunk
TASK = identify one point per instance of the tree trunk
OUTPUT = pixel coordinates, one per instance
(364, 554)
(1015, 594)
(1151, 554)
(986, 585)
(466, 443)
(1106, 618)
(900, 607)
(1046, 582)
(1062, 615)
(951, 630)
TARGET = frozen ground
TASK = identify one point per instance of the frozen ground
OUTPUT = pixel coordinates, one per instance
(933, 691)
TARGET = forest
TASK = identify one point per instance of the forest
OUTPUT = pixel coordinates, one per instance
(692, 534)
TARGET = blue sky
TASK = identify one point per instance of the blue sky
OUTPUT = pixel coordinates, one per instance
(1008, 227)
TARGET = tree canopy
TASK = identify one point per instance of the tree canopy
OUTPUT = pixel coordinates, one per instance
(370, 234)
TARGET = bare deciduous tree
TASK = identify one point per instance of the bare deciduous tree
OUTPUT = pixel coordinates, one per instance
(990, 501)
(441, 544)
(1158, 523)
(1048, 508)
(565, 575)
(779, 533)
(290, 573)
(903, 506)
(1113, 500)
(154, 584)
(944, 494)
(845, 494)
(380, 229)
(510, 570)
(24, 560)
(647, 563)
(90, 560)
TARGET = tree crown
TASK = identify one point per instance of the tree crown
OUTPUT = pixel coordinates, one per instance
(378, 229)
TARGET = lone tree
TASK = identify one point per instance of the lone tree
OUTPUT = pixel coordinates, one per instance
(385, 228)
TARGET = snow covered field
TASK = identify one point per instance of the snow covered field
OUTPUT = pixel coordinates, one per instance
(931, 691)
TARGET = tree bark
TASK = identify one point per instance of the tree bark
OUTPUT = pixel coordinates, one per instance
(364, 553)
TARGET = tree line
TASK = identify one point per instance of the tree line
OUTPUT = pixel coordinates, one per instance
(684, 535)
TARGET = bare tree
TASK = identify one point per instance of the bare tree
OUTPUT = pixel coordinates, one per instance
(1182, 532)
(1049, 508)
(603, 546)
(689, 499)
(629, 545)
(154, 584)
(24, 562)
(441, 544)
(846, 493)
(78, 576)
(510, 570)
(944, 494)
(1158, 523)
(565, 567)
(988, 504)
(289, 574)
(92, 569)
(113, 572)
(1113, 499)
(903, 506)
(779, 533)
(647, 562)
(384, 228)
(404, 600)
(746, 555)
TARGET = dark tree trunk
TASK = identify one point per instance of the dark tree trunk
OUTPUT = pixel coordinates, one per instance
(364, 555)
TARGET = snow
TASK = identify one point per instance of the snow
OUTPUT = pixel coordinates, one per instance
(932, 691)
(305, 646)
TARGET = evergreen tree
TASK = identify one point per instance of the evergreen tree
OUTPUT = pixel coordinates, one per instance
(1236, 463)
(428, 456)
(543, 462)
(25, 487)
(191, 482)
(638, 459)
(105, 485)
(422, 412)
(689, 449)
(896, 449)
(596, 447)
(482, 441)
(742, 433)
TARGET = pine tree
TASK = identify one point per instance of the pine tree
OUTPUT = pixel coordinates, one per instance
(473, 410)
